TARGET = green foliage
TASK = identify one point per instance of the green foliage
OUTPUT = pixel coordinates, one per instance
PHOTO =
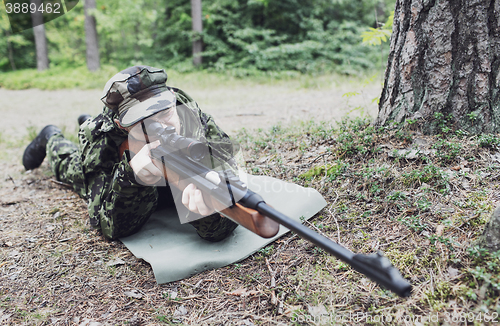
(423, 204)
(439, 238)
(430, 226)
(357, 137)
(441, 292)
(377, 36)
(32, 133)
(244, 37)
(129, 29)
(403, 135)
(331, 170)
(447, 151)
(396, 195)
(66, 39)
(18, 47)
(430, 174)
(488, 141)
(485, 271)
(414, 223)
(56, 78)
(442, 124)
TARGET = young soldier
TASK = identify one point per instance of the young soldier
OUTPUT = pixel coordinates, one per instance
(117, 183)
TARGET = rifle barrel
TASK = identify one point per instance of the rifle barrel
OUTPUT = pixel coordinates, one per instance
(371, 266)
(375, 266)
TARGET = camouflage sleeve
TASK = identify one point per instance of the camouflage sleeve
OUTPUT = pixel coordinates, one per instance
(223, 148)
(117, 204)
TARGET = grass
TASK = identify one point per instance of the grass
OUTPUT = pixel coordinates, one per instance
(57, 78)
(424, 213)
(80, 77)
(378, 197)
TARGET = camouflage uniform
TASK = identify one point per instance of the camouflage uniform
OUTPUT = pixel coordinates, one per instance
(117, 203)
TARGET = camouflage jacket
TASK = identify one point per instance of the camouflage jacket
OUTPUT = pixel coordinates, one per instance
(117, 203)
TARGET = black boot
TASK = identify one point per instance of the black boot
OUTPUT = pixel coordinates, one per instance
(82, 118)
(35, 152)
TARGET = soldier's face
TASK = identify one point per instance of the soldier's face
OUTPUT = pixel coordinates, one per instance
(168, 118)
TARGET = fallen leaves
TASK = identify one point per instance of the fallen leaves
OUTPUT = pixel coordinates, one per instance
(135, 294)
(115, 262)
(242, 292)
(11, 200)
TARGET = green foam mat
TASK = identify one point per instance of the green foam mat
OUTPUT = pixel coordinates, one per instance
(175, 251)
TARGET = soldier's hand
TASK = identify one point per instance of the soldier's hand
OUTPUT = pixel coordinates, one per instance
(144, 167)
(192, 198)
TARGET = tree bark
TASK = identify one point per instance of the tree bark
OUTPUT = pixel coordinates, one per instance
(91, 40)
(444, 58)
(42, 53)
(197, 30)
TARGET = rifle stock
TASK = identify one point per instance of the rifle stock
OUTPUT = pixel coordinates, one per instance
(244, 216)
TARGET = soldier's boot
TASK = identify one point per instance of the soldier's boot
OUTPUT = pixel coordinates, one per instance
(82, 118)
(35, 152)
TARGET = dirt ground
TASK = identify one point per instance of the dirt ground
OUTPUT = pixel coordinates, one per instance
(260, 106)
(55, 270)
(422, 200)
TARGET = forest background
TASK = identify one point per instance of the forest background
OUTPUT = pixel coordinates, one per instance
(241, 38)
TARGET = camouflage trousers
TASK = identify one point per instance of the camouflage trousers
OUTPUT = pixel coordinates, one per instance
(66, 164)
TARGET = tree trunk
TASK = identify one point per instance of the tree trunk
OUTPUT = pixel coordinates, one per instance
(197, 30)
(10, 51)
(42, 53)
(91, 39)
(444, 58)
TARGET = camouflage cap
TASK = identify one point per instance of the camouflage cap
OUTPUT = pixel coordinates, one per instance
(137, 93)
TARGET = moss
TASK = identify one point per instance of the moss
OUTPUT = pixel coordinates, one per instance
(437, 296)
(331, 170)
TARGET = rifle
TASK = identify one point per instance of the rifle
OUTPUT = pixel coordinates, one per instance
(179, 157)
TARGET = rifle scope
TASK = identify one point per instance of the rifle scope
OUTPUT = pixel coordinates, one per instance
(168, 137)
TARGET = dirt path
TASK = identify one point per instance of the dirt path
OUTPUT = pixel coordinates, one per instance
(259, 106)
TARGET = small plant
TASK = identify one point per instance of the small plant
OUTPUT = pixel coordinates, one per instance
(446, 241)
(267, 251)
(442, 122)
(356, 137)
(396, 195)
(423, 204)
(163, 319)
(430, 174)
(487, 265)
(447, 151)
(375, 189)
(413, 223)
(441, 292)
(488, 141)
(461, 133)
(473, 116)
(32, 132)
(403, 135)
(376, 36)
